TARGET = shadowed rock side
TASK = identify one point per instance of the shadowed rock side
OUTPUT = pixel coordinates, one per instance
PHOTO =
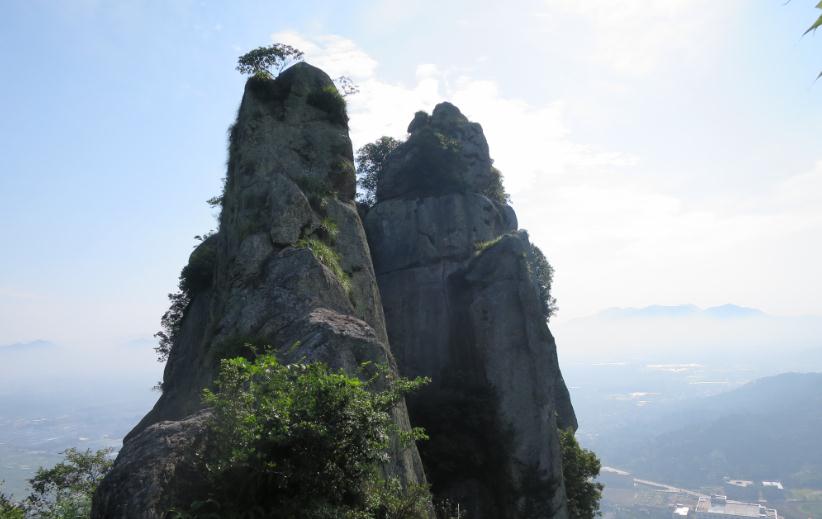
(462, 306)
(290, 184)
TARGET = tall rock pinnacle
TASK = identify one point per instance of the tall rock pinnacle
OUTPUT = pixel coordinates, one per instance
(290, 184)
(462, 305)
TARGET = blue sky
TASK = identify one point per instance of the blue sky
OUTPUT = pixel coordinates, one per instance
(659, 152)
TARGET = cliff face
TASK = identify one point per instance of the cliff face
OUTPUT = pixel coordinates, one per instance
(462, 306)
(289, 190)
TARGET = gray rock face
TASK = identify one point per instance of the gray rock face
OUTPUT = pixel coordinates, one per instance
(445, 153)
(468, 315)
(290, 179)
(156, 472)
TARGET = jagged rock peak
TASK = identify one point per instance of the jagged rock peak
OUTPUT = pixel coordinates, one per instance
(289, 269)
(445, 153)
(463, 307)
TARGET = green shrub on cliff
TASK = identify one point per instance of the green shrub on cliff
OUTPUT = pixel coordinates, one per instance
(370, 161)
(65, 490)
(579, 468)
(544, 273)
(195, 277)
(302, 440)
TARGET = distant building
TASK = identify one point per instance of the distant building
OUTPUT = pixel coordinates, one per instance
(681, 511)
(718, 507)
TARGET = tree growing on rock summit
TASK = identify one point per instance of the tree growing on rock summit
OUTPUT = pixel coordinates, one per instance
(269, 61)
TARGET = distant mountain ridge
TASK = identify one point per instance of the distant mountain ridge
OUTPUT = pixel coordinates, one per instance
(726, 311)
(38, 344)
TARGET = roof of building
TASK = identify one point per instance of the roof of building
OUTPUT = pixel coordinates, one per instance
(682, 511)
(733, 508)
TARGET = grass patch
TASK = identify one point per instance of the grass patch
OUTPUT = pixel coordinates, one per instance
(328, 257)
(482, 245)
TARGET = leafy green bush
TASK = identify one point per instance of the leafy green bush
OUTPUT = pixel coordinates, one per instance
(579, 468)
(329, 100)
(302, 440)
(370, 161)
(65, 490)
(544, 274)
(197, 275)
(171, 324)
(495, 190)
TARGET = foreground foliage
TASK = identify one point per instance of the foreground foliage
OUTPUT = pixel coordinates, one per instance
(302, 440)
(579, 468)
(9, 509)
(63, 491)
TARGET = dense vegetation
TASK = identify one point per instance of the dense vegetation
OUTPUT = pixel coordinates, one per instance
(370, 160)
(302, 440)
(579, 468)
(544, 274)
(63, 491)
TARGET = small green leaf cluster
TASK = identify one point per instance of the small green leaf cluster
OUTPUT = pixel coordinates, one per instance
(302, 440)
(579, 468)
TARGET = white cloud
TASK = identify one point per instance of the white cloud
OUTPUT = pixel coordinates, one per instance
(636, 36)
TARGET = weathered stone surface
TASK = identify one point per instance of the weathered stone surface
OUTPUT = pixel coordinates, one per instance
(468, 314)
(445, 153)
(290, 175)
(155, 473)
